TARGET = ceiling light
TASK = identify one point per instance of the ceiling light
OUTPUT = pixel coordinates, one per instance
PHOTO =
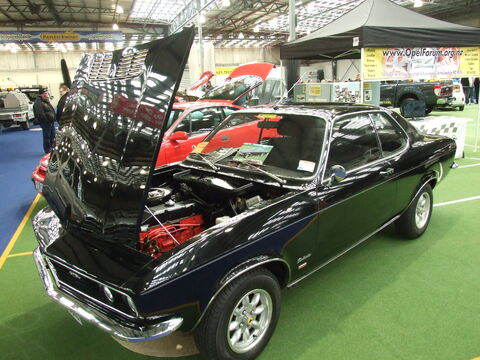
(417, 3)
(115, 27)
(226, 3)
(241, 36)
(119, 9)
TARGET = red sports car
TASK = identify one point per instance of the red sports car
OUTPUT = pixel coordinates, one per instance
(190, 122)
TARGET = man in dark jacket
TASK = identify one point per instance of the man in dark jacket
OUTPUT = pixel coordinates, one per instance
(45, 115)
(61, 103)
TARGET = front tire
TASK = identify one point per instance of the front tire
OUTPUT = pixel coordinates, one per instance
(414, 221)
(461, 108)
(242, 319)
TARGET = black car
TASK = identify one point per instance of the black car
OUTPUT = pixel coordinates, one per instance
(206, 245)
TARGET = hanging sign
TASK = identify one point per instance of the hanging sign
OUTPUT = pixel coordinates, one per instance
(60, 36)
(420, 63)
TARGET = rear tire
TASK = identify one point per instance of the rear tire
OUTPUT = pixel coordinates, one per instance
(403, 103)
(428, 109)
(414, 221)
(25, 125)
(234, 327)
(461, 108)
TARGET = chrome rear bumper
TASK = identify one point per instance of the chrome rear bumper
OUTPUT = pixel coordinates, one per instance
(84, 312)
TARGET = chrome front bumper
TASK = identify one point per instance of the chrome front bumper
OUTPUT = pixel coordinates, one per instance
(81, 311)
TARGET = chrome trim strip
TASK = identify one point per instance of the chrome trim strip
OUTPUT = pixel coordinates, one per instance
(241, 272)
(343, 252)
(76, 308)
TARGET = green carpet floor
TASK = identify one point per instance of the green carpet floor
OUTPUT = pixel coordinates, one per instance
(386, 299)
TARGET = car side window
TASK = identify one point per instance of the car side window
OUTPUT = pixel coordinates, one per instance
(228, 110)
(353, 142)
(205, 120)
(391, 137)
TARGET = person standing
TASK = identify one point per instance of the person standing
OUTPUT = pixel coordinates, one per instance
(466, 89)
(45, 115)
(61, 103)
(476, 83)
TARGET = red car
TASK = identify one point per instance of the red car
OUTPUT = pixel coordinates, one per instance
(190, 122)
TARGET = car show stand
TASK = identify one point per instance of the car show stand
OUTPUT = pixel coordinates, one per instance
(450, 126)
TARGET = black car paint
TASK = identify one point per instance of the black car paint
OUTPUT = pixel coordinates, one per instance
(301, 226)
(112, 127)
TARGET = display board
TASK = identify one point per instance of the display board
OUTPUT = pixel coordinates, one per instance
(420, 63)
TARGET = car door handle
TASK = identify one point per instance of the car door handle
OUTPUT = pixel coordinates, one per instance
(387, 172)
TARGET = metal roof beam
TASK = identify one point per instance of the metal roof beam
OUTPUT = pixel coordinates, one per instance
(54, 11)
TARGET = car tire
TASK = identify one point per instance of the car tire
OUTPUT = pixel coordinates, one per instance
(428, 110)
(414, 221)
(213, 336)
(402, 104)
(461, 108)
(25, 125)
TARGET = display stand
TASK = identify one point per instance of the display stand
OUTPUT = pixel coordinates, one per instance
(453, 127)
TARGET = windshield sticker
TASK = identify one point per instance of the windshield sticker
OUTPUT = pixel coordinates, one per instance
(268, 116)
(200, 147)
(254, 153)
(304, 165)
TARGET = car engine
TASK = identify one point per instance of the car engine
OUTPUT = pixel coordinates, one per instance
(190, 203)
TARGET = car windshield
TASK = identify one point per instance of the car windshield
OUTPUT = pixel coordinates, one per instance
(278, 146)
(234, 88)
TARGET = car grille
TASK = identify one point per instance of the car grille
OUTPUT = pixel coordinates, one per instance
(82, 285)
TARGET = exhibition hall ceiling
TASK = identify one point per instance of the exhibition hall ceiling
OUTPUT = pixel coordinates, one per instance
(226, 23)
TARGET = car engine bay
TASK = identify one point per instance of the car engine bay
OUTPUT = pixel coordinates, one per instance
(191, 202)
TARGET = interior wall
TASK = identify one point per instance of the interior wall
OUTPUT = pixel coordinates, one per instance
(43, 68)
(36, 68)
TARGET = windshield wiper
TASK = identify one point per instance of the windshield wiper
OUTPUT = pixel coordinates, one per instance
(208, 162)
(273, 176)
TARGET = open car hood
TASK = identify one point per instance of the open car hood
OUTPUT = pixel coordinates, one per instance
(240, 82)
(112, 127)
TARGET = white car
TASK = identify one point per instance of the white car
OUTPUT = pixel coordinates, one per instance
(458, 96)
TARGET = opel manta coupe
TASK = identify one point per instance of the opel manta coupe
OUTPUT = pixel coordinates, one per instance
(270, 196)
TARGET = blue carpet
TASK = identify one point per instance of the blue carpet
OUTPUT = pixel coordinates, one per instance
(20, 152)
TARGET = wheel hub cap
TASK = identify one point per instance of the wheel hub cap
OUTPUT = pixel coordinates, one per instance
(422, 210)
(249, 320)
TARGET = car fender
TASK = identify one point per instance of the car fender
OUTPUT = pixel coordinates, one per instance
(264, 260)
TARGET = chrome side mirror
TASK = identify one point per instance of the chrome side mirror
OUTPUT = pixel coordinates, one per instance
(337, 173)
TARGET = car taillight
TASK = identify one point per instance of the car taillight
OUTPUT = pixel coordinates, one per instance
(17, 115)
(437, 89)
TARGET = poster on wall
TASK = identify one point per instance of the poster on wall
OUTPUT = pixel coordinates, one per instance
(420, 63)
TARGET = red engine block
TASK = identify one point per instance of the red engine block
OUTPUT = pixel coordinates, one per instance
(156, 241)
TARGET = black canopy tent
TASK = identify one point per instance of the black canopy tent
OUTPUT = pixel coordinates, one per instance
(378, 24)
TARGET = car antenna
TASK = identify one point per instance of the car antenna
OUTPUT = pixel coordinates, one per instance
(288, 91)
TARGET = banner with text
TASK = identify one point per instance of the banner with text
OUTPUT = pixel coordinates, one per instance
(420, 63)
(60, 36)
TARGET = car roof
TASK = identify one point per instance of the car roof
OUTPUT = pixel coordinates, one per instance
(199, 104)
(327, 111)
